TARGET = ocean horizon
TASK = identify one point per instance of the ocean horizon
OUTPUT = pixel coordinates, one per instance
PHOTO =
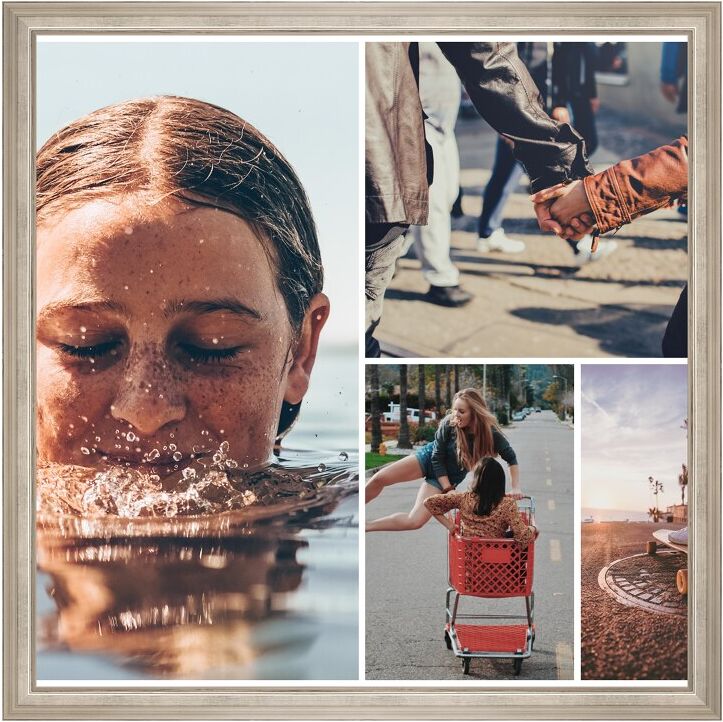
(615, 514)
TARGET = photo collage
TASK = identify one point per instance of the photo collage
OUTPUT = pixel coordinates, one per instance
(216, 377)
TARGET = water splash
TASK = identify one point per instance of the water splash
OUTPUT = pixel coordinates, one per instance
(207, 486)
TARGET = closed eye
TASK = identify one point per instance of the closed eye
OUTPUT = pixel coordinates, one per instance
(98, 350)
(199, 354)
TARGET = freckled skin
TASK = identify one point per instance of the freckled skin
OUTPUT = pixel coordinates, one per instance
(147, 376)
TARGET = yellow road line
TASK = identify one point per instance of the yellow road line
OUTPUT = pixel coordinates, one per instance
(563, 660)
(555, 553)
(551, 504)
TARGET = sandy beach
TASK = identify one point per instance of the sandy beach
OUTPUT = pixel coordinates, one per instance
(620, 641)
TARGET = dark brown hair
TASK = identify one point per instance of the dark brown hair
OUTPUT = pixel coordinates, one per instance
(488, 485)
(200, 154)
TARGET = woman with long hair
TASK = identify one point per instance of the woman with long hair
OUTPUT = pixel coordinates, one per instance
(466, 436)
(485, 511)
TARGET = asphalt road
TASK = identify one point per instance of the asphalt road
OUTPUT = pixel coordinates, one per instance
(406, 574)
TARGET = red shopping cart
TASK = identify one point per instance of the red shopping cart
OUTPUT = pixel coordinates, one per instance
(491, 568)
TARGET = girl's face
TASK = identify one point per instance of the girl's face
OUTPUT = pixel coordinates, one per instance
(461, 413)
(161, 334)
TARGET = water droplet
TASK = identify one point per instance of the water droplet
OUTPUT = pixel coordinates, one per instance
(224, 447)
(214, 340)
(83, 329)
(321, 467)
(173, 436)
(177, 456)
(172, 447)
(84, 450)
(97, 438)
(126, 287)
(131, 436)
(128, 230)
(344, 456)
(153, 455)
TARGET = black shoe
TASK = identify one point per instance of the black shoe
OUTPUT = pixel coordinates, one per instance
(448, 296)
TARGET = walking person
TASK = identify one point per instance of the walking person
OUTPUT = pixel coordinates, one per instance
(464, 438)
(439, 91)
(565, 77)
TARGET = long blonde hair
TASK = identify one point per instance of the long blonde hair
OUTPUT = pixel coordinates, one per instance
(482, 423)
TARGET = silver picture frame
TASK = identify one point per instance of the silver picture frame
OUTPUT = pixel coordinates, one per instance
(24, 22)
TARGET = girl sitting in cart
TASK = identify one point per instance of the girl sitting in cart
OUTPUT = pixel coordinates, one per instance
(485, 511)
(466, 436)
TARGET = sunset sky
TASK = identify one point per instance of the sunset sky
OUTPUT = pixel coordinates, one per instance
(631, 429)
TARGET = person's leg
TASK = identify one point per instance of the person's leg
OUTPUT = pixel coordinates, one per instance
(407, 468)
(432, 242)
(384, 244)
(415, 519)
(675, 340)
(498, 188)
(583, 120)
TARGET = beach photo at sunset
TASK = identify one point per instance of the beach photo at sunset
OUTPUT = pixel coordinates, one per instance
(634, 521)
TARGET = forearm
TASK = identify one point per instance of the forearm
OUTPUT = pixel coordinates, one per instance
(634, 187)
(501, 89)
(515, 478)
(446, 522)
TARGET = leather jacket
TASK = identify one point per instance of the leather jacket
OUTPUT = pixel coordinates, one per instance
(398, 166)
(638, 186)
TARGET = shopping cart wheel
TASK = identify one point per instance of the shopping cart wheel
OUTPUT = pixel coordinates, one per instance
(448, 640)
(518, 666)
(465, 664)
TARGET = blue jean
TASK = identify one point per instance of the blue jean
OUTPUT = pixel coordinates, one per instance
(506, 174)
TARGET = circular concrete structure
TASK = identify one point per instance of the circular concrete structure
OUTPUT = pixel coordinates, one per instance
(647, 581)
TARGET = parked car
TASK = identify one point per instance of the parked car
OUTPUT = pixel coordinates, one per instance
(518, 416)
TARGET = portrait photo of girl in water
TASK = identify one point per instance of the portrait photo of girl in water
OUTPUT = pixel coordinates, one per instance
(186, 273)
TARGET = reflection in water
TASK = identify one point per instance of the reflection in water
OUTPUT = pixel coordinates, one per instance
(200, 595)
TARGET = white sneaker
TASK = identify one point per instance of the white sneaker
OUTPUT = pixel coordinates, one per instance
(679, 537)
(499, 241)
(585, 255)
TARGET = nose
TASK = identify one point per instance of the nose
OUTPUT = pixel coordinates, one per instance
(148, 396)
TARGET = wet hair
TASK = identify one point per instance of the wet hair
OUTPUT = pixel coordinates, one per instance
(202, 155)
(475, 442)
(488, 486)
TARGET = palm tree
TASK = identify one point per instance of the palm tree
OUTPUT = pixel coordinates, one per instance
(656, 487)
(375, 410)
(438, 390)
(420, 393)
(683, 482)
(403, 442)
(448, 377)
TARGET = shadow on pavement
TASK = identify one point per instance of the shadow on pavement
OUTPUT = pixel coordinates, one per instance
(552, 271)
(623, 331)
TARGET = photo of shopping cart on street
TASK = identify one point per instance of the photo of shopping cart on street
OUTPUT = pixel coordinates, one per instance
(485, 589)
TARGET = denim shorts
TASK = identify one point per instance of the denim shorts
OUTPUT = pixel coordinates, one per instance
(424, 456)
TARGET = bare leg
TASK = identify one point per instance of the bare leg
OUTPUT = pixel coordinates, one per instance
(406, 469)
(415, 519)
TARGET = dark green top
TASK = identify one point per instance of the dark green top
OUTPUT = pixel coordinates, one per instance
(444, 455)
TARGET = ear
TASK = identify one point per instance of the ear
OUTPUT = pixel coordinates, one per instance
(304, 355)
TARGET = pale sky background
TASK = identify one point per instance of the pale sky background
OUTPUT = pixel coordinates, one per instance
(631, 419)
(302, 95)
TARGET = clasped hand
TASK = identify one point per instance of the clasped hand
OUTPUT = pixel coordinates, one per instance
(564, 210)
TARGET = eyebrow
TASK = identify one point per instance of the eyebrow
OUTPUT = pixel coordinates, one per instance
(230, 305)
(173, 308)
(58, 307)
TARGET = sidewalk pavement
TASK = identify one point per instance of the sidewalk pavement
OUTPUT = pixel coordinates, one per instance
(539, 303)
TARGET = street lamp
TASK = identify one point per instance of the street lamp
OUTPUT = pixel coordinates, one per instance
(564, 406)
